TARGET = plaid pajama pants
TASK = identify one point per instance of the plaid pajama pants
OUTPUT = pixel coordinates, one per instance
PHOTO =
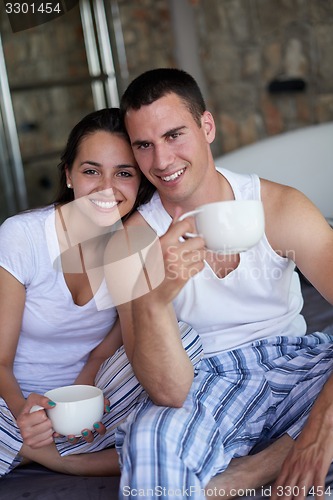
(238, 399)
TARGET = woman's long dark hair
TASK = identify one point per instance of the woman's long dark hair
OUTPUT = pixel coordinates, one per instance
(107, 120)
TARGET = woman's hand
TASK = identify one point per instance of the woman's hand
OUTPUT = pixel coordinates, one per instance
(99, 427)
(36, 428)
(34, 424)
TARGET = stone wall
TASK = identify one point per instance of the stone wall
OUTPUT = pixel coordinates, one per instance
(41, 62)
(243, 46)
(147, 32)
(247, 44)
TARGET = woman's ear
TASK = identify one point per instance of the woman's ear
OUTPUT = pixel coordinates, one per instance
(68, 178)
(208, 125)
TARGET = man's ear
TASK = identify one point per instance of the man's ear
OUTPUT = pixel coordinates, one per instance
(208, 125)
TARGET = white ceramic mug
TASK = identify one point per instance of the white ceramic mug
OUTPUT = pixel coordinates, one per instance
(78, 407)
(229, 227)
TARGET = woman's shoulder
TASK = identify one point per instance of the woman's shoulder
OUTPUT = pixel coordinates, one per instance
(32, 216)
(29, 225)
(22, 243)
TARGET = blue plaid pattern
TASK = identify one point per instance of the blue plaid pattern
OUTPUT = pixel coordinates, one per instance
(238, 399)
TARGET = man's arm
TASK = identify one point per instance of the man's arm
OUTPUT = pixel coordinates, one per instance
(298, 230)
(149, 325)
(307, 463)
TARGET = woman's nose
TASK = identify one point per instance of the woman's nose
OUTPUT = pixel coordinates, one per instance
(107, 188)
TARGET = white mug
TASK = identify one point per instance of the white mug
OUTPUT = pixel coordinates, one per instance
(78, 407)
(229, 227)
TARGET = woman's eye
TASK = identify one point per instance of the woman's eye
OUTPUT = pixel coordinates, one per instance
(90, 171)
(124, 174)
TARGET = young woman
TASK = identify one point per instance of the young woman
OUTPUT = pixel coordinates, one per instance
(57, 321)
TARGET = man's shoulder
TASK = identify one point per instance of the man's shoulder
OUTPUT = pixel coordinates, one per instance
(274, 192)
(286, 210)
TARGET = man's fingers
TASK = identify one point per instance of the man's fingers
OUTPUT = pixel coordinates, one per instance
(179, 229)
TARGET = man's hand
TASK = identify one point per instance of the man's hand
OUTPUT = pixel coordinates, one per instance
(305, 468)
(183, 258)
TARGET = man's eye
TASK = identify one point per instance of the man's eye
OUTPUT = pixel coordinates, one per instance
(144, 145)
(175, 135)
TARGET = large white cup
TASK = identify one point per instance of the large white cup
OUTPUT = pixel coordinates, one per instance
(78, 407)
(229, 227)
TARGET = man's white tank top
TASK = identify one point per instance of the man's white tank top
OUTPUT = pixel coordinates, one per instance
(260, 298)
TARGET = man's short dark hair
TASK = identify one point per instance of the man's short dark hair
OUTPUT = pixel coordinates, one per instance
(156, 83)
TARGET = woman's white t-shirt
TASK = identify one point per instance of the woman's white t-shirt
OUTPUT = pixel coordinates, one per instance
(56, 335)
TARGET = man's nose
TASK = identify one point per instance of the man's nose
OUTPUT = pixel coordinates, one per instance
(162, 157)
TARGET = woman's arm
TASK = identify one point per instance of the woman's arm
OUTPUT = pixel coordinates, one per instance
(104, 350)
(12, 302)
(35, 428)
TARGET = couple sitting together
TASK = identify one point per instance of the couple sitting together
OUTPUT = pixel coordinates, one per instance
(204, 365)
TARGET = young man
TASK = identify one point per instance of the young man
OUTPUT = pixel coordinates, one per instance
(260, 374)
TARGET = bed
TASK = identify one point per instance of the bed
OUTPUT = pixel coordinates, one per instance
(37, 483)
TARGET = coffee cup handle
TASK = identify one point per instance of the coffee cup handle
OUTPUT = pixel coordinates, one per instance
(190, 214)
(36, 408)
